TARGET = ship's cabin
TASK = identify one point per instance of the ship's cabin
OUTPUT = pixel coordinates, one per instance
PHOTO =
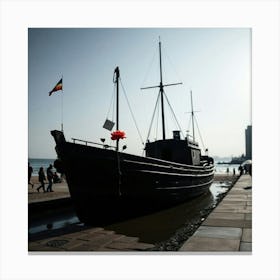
(178, 150)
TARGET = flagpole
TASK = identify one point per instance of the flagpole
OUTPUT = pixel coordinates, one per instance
(62, 106)
(59, 86)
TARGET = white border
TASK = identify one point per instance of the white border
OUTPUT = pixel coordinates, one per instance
(17, 16)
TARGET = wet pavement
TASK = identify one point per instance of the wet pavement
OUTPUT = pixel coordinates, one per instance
(229, 227)
(92, 239)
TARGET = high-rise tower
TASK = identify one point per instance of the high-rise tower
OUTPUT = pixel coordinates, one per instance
(248, 141)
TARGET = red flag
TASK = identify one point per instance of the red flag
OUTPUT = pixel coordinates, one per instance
(57, 87)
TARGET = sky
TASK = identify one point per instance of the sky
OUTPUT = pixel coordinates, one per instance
(213, 63)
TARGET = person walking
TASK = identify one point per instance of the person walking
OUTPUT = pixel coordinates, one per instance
(30, 171)
(50, 178)
(42, 179)
(240, 169)
(227, 171)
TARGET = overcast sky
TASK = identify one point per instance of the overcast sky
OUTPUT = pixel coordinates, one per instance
(214, 63)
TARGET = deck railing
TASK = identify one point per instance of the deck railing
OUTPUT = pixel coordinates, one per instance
(86, 142)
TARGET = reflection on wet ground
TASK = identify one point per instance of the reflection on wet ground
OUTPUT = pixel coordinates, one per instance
(150, 228)
(161, 225)
(54, 220)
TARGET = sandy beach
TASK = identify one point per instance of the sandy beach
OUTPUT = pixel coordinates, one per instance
(60, 190)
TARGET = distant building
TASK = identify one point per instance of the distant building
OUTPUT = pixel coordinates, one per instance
(248, 147)
(248, 141)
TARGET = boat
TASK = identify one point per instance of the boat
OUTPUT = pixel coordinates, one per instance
(108, 185)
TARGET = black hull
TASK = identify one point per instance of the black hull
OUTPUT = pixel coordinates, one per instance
(108, 186)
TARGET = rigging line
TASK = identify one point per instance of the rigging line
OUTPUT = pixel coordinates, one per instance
(153, 116)
(167, 127)
(189, 124)
(114, 103)
(112, 98)
(149, 68)
(132, 113)
(199, 133)
(173, 114)
(157, 122)
(172, 65)
(174, 119)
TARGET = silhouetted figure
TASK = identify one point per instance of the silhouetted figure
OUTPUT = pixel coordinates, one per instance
(240, 169)
(56, 179)
(234, 171)
(227, 171)
(30, 170)
(250, 169)
(50, 178)
(42, 179)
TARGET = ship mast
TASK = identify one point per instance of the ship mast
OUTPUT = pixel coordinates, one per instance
(161, 91)
(117, 76)
(192, 117)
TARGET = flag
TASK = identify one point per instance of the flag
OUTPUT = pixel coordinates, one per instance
(57, 87)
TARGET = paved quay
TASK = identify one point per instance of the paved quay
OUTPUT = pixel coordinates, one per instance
(228, 228)
(92, 239)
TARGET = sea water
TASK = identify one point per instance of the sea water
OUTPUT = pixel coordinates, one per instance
(36, 163)
(222, 168)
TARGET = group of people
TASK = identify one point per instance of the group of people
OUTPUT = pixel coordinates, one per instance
(51, 176)
(243, 169)
(246, 169)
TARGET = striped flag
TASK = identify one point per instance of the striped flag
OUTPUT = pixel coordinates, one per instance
(57, 87)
